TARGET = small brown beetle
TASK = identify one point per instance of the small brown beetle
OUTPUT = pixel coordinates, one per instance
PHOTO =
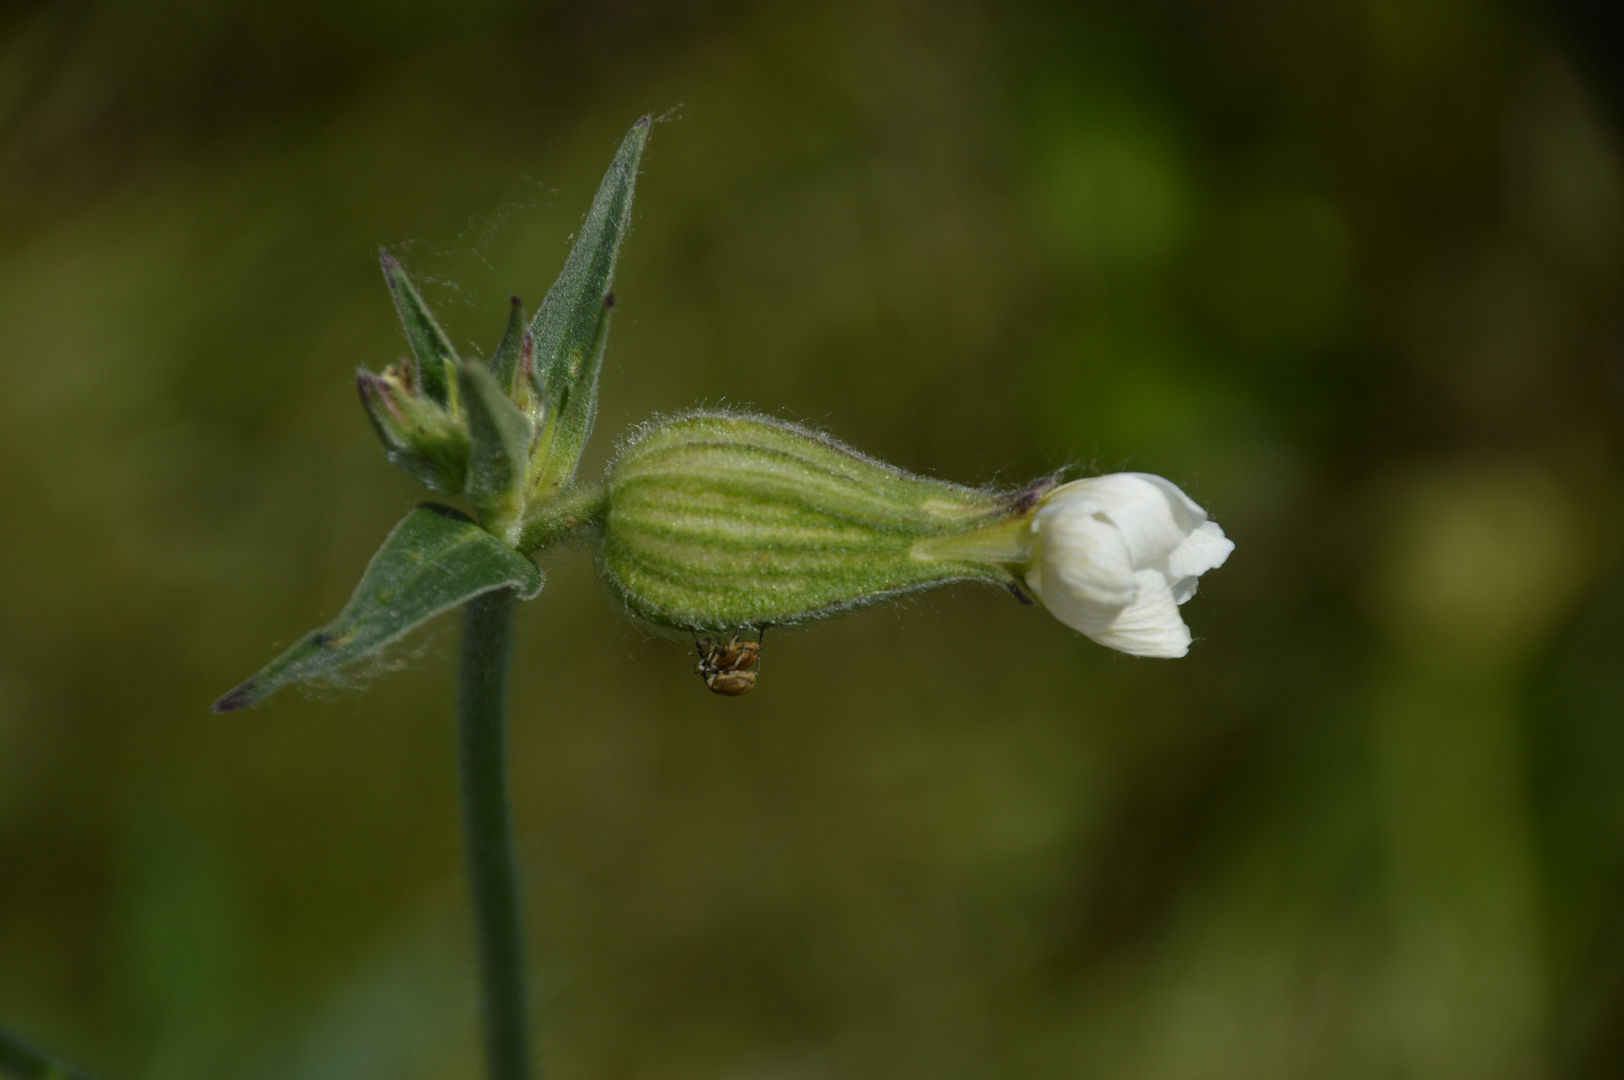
(724, 667)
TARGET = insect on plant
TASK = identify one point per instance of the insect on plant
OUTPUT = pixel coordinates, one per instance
(725, 668)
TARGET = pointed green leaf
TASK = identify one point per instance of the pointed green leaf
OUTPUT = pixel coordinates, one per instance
(498, 442)
(505, 360)
(436, 359)
(434, 559)
(572, 324)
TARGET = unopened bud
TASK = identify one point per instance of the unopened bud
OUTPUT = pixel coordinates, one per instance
(418, 435)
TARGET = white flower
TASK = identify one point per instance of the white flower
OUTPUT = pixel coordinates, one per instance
(1114, 556)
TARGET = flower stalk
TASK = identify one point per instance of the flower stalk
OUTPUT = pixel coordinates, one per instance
(487, 827)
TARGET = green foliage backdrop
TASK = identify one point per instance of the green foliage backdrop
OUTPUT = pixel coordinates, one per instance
(1348, 272)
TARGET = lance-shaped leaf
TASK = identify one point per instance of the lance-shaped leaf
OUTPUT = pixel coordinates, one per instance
(505, 360)
(498, 443)
(434, 559)
(572, 324)
(436, 359)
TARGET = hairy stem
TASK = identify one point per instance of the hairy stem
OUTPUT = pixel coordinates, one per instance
(19, 1059)
(547, 524)
(487, 643)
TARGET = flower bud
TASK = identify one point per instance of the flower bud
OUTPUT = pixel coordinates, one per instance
(418, 435)
(719, 522)
(1114, 557)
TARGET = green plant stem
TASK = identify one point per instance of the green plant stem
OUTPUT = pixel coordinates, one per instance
(19, 1059)
(581, 507)
(487, 643)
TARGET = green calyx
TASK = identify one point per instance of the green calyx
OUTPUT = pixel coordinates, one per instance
(719, 522)
(507, 433)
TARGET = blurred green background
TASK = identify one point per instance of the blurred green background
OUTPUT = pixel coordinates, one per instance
(1349, 272)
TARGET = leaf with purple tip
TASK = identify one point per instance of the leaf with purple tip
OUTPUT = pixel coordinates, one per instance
(572, 324)
(433, 560)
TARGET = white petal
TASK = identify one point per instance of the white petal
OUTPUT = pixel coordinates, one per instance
(1114, 556)
(1203, 550)
(1143, 510)
(1184, 588)
(1083, 570)
(1185, 509)
(1150, 626)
